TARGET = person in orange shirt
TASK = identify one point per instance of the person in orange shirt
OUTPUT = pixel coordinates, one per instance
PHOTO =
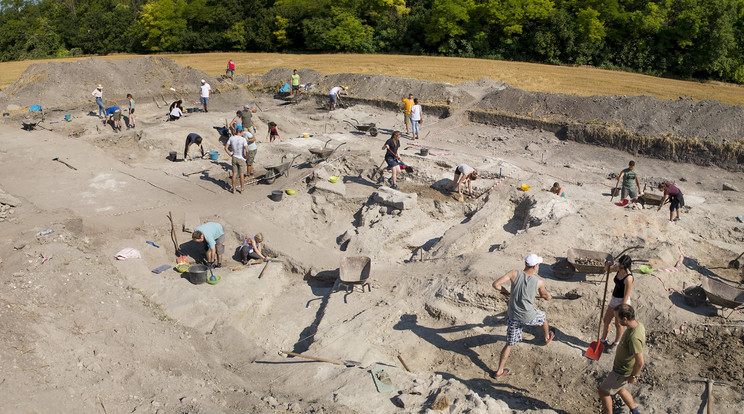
(407, 111)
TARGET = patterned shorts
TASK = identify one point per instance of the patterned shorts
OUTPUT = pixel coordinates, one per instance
(514, 330)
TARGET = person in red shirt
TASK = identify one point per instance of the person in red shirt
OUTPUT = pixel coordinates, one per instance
(230, 68)
(676, 200)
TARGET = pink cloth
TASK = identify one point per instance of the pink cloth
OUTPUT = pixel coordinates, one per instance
(128, 253)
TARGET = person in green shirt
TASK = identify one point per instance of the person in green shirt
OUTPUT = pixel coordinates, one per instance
(628, 361)
(631, 185)
(294, 82)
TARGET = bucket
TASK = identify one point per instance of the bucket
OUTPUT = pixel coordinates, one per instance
(172, 155)
(305, 135)
(68, 118)
(276, 195)
(214, 155)
(424, 152)
(197, 274)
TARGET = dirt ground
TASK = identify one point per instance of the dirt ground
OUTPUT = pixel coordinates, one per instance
(84, 332)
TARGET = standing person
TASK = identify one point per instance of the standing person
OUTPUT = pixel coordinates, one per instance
(213, 236)
(246, 116)
(628, 362)
(115, 114)
(631, 185)
(98, 94)
(676, 200)
(192, 139)
(230, 68)
(620, 294)
(463, 172)
(273, 132)
(236, 122)
(333, 95)
(206, 93)
(294, 82)
(250, 151)
(392, 159)
(130, 98)
(416, 118)
(408, 104)
(251, 249)
(235, 148)
(521, 309)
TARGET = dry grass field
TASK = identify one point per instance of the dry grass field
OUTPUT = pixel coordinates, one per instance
(583, 81)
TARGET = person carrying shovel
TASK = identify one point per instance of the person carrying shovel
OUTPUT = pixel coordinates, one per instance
(521, 309)
(392, 159)
(620, 294)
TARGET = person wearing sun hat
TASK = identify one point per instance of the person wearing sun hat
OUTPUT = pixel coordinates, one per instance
(521, 309)
(98, 94)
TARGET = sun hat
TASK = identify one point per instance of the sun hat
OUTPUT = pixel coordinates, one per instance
(100, 86)
(533, 260)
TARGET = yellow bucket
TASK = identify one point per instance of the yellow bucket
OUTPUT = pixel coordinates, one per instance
(305, 135)
(525, 187)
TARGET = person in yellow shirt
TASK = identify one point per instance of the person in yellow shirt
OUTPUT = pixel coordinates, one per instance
(408, 102)
(294, 81)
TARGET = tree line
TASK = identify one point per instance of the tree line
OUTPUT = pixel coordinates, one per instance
(688, 39)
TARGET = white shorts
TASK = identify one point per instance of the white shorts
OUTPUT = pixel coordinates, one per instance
(615, 302)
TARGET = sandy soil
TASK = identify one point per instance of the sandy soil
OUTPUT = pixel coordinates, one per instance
(84, 332)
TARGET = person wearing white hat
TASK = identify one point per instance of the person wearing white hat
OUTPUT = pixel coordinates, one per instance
(521, 309)
(206, 93)
(98, 94)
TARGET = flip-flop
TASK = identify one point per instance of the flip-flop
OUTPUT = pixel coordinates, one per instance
(552, 335)
(496, 375)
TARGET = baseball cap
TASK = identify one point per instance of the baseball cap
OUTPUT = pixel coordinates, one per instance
(203, 81)
(246, 107)
(533, 260)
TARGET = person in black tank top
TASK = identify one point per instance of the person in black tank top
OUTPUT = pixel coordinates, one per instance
(620, 294)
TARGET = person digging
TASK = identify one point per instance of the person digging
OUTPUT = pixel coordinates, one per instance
(213, 236)
(392, 159)
(463, 173)
(521, 309)
(251, 249)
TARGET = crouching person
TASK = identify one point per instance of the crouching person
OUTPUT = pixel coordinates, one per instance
(251, 249)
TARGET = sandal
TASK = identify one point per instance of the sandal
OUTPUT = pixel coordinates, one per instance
(495, 374)
(550, 338)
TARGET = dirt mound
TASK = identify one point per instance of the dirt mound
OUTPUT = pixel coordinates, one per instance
(56, 84)
(642, 115)
(373, 86)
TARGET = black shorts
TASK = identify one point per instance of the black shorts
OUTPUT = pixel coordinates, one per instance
(676, 201)
(131, 111)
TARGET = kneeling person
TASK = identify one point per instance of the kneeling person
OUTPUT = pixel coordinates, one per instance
(251, 249)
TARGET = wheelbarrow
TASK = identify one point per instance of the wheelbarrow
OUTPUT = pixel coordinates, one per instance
(278, 170)
(587, 261)
(354, 271)
(321, 154)
(723, 295)
(371, 127)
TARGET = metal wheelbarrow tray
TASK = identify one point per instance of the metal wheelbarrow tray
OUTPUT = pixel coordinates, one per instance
(722, 294)
(371, 127)
(355, 271)
(275, 171)
(320, 154)
(577, 254)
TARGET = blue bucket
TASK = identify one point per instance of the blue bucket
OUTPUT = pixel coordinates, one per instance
(68, 117)
(214, 155)
(35, 108)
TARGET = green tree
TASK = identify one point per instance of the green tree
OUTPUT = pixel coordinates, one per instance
(164, 22)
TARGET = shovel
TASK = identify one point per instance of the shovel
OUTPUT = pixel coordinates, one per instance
(347, 364)
(596, 348)
(68, 165)
(734, 264)
(181, 257)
